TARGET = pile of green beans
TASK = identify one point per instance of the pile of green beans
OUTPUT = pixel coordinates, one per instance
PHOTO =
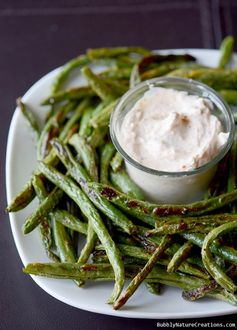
(83, 188)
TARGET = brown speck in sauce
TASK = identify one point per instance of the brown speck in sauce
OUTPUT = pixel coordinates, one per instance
(184, 120)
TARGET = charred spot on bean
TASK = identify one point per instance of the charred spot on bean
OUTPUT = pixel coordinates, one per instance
(109, 193)
(182, 226)
(132, 204)
(197, 293)
(45, 225)
(146, 61)
(89, 267)
(162, 211)
(99, 253)
(148, 246)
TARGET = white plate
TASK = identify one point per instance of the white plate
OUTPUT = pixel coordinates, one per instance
(21, 160)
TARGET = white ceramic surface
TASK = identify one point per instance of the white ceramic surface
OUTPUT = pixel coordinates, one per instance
(20, 162)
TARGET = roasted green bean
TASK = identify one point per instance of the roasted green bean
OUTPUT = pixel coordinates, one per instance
(73, 191)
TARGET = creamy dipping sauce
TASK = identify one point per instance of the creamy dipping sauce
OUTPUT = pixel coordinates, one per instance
(172, 131)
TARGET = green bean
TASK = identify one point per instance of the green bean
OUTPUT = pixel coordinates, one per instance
(51, 112)
(66, 71)
(44, 226)
(118, 87)
(134, 76)
(141, 209)
(64, 135)
(76, 170)
(50, 132)
(118, 218)
(137, 280)
(105, 158)
(42, 210)
(101, 258)
(124, 61)
(160, 70)
(71, 94)
(164, 69)
(82, 107)
(200, 292)
(153, 288)
(226, 252)
(156, 65)
(174, 225)
(126, 239)
(71, 271)
(218, 183)
(235, 116)
(174, 279)
(87, 154)
(97, 53)
(226, 49)
(124, 183)
(70, 221)
(216, 78)
(74, 192)
(232, 271)
(158, 59)
(130, 251)
(214, 269)
(231, 183)
(29, 117)
(138, 253)
(88, 248)
(116, 162)
(85, 129)
(53, 122)
(105, 272)
(98, 86)
(78, 173)
(39, 187)
(116, 73)
(91, 235)
(150, 244)
(23, 198)
(224, 295)
(179, 257)
(98, 137)
(63, 243)
(229, 95)
(102, 118)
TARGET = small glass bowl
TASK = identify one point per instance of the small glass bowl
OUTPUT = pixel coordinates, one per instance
(172, 187)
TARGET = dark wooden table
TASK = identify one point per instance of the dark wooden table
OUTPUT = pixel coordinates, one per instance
(38, 36)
